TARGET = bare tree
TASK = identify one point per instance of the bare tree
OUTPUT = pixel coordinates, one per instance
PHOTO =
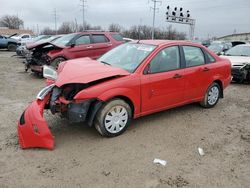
(66, 28)
(144, 32)
(48, 31)
(12, 22)
(115, 27)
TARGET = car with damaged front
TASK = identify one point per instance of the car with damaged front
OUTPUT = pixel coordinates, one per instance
(132, 80)
(91, 44)
(239, 57)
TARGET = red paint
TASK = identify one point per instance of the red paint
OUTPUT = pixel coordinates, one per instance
(35, 132)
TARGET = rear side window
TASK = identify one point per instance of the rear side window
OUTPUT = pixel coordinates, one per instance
(100, 38)
(117, 37)
(85, 39)
(193, 56)
(25, 36)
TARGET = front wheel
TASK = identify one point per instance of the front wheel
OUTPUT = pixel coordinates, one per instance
(56, 62)
(212, 96)
(11, 47)
(113, 118)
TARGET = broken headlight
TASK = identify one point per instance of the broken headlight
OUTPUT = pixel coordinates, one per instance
(49, 72)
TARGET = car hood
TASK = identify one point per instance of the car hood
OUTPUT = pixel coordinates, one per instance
(237, 60)
(86, 70)
(31, 46)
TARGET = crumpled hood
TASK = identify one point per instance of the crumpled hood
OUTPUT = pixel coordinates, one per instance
(31, 46)
(237, 60)
(85, 70)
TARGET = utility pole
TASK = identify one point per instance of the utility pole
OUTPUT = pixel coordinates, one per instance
(83, 5)
(154, 9)
(55, 18)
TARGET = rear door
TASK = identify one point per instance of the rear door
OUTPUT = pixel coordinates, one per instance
(163, 84)
(198, 73)
(101, 44)
(82, 47)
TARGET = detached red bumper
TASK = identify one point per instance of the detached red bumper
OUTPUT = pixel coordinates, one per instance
(33, 130)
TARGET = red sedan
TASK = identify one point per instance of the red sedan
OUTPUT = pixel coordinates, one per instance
(130, 81)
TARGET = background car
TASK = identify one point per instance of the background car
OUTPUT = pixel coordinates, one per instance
(24, 48)
(8, 43)
(84, 44)
(23, 38)
(239, 57)
(132, 80)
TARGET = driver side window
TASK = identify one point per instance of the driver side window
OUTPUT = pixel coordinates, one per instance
(85, 39)
(166, 60)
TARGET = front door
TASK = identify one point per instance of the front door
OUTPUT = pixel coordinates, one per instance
(82, 47)
(162, 86)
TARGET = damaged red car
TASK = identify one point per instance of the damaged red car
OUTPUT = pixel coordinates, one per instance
(130, 81)
(91, 44)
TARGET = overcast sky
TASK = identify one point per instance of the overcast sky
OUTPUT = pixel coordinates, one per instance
(213, 17)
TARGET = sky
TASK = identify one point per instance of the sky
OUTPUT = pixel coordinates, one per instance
(213, 17)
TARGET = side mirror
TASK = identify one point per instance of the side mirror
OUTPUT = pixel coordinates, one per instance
(147, 69)
(72, 45)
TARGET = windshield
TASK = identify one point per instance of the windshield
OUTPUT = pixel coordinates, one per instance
(50, 39)
(127, 56)
(64, 40)
(239, 51)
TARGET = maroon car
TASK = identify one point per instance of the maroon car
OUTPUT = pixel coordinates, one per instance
(83, 44)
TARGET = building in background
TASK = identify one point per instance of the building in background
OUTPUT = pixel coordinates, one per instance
(6, 31)
(236, 37)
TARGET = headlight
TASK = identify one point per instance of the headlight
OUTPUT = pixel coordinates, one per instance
(44, 92)
(49, 72)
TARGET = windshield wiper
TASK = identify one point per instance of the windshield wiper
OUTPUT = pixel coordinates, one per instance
(105, 63)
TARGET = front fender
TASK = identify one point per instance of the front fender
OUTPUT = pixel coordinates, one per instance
(111, 93)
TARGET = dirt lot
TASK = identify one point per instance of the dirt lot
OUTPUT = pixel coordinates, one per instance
(82, 158)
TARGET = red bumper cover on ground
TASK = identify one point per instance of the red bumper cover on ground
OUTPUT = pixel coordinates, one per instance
(33, 129)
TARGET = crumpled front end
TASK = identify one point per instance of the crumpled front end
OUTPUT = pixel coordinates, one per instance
(33, 129)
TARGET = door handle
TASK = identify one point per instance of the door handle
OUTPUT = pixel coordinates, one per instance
(206, 69)
(89, 47)
(109, 44)
(177, 76)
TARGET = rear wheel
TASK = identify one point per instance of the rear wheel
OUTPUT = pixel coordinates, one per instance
(11, 47)
(212, 96)
(113, 118)
(56, 62)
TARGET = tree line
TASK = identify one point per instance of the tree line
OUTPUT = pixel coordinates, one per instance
(134, 32)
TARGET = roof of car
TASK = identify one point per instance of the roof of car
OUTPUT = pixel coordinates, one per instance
(164, 42)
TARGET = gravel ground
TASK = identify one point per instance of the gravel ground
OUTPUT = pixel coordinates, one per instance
(82, 158)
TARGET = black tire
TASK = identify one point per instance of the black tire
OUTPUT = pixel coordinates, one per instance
(105, 111)
(12, 47)
(56, 62)
(207, 101)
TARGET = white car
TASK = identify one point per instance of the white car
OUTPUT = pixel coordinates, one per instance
(240, 62)
(23, 38)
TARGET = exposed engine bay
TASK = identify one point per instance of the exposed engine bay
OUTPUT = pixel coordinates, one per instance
(37, 56)
(241, 74)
